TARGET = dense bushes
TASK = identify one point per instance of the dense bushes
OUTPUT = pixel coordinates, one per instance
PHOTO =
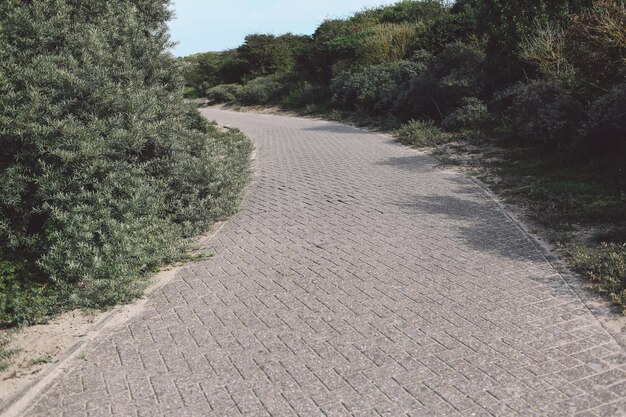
(552, 72)
(428, 86)
(268, 54)
(606, 128)
(103, 167)
(201, 72)
(539, 113)
(473, 114)
(262, 90)
(303, 94)
(449, 77)
(259, 55)
(374, 89)
(224, 93)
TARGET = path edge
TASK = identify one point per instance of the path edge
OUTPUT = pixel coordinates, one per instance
(602, 310)
(23, 400)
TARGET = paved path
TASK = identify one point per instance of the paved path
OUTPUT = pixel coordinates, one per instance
(358, 279)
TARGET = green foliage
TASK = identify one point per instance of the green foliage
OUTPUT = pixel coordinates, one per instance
(570, 54)
(605, 267)
(539, 113)
(387, 42)
(606, 128)
(595, 46)
(449, 28)
(234, 67)
(545, 48)
(506, 23)
(405, 11)
(5, 352)
(450, 76)
(41, 360)
(374, 89)
(103, 170)
(201, 72)
(333, 41)
(420, 133)
(473, 114)
(584, 55)
(224, 93)
(262, 90)
(304, 94)
(24, 297)
(269, 54)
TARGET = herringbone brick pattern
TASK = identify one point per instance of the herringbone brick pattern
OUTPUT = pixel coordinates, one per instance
(358, 280)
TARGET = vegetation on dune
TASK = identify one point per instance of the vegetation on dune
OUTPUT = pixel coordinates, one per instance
(538, 87)
(104, 169)
(6, 352)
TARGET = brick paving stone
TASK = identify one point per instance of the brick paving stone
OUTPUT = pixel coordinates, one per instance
(358, 279)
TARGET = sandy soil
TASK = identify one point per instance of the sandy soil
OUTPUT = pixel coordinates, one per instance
(44, 348)
(39, 347)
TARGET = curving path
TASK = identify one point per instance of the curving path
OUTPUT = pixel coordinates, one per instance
(358, 279)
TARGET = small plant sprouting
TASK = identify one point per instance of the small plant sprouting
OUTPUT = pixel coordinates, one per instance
(41, 360)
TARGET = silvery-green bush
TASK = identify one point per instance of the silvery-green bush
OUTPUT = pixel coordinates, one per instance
(540, 113)
(263, 90)
(374, 89)
(104, 169)
(224, 93)
(472, 114)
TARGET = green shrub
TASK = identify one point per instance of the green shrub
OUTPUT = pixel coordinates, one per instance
(24, 297)
(104, 169)
(450, 76)
(304, 94)
(422, 11)
(506, 23)
(473, 114)
(224, 93)
(420, 133)
(539, 113)
(605, 267)
(262, 90)
(448, 29)
(263, 54)
(374, 89)
(606, 128)
(333, 41)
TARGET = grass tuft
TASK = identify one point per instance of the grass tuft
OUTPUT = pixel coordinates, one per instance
(606, 268)
(420, 133)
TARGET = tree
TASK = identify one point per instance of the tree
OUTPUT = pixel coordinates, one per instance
(201, 72)
(269, 54)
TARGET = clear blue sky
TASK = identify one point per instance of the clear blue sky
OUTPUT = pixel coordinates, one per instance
(215, 25)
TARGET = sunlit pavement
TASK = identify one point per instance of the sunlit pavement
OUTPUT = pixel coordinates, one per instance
(358, 279)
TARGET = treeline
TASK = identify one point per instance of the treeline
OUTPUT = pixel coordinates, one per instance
(545, 72)
(104, 169)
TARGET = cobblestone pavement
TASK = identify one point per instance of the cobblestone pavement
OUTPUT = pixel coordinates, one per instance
(358, 279)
